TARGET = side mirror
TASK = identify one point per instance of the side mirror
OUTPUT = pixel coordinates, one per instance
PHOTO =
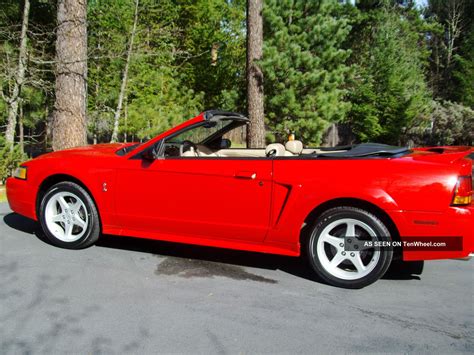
(225, 143)
(148, 155)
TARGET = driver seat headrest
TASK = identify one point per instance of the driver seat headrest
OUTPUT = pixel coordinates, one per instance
(278, 147)
(294, 147)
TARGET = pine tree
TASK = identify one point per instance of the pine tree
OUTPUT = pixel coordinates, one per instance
(464, 72)
(123, 86)
(212, 50)
(19, 78)
(389, 93)
(159, 93)
(109, 27)
(304, 67)
(450, 44)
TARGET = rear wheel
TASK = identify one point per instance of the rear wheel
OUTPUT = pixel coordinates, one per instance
(346, 268)
(69, 217)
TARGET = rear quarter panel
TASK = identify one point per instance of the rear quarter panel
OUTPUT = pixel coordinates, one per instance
(394, 185)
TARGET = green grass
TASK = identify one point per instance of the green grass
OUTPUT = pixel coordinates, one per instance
(3, 194)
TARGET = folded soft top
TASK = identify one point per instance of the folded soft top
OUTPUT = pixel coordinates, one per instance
(364, 149)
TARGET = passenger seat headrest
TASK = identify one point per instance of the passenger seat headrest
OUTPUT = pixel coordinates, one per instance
(277, 147)
(295, 147)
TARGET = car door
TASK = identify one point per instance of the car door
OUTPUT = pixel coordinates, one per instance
(223, 198)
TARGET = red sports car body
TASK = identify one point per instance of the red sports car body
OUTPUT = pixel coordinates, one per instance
(188, 185)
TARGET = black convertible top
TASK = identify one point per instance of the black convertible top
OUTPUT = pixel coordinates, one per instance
(363, 150)
(215, 115)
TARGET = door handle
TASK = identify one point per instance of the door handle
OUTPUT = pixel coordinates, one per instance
(246, 175)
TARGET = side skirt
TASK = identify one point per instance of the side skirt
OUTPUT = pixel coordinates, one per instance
(280, 248)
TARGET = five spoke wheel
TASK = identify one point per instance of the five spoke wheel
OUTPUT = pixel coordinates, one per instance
(66, 216)
(347, 265)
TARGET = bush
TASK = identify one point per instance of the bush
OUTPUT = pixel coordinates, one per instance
(452, 124)
(9, 159)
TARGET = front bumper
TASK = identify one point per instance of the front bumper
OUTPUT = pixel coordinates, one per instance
(21, 197)
(454, 222)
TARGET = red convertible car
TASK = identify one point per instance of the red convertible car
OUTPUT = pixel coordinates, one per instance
(189, 185)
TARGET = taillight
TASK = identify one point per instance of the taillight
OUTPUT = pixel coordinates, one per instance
(463, 191)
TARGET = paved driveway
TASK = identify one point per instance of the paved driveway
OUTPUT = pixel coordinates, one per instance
(138, 296)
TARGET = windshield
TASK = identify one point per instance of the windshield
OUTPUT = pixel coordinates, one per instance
(201, 133)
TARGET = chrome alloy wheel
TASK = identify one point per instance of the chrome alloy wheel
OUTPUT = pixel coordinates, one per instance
(346, 265)
(66, 216)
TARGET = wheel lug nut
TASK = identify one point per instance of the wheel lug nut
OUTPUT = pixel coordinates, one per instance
(352, 254)
(341, 245)
(343, 253)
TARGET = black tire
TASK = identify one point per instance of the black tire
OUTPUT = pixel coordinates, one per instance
(346, 212)
(92, 230)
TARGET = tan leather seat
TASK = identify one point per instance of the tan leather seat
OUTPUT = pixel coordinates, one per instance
(205, 151)
(202, 151)
(279, 149)
(294, 147)
(189, 153)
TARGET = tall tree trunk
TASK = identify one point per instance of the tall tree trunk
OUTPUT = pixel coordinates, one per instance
(21, 129)
(19, 79)
(96, 93)
(454, 27)
(48, 124)
(125, 116)
(123, 87)
(69, 116)
(256, 131)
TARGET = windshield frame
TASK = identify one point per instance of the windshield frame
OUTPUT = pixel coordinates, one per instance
(154, 144)
(160, 145)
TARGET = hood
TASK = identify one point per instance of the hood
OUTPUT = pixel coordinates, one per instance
(95, 150)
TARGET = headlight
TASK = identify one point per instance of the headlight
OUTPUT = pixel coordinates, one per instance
(20, 173)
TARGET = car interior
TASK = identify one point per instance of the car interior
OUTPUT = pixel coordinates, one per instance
(224, 135)
(214, 140)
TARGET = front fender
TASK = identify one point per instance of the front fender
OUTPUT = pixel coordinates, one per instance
(98, 181)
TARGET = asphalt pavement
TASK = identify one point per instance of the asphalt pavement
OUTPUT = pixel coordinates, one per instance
(137, 296)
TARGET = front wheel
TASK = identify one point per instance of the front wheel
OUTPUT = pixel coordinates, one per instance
(347, 268)
(69, 217)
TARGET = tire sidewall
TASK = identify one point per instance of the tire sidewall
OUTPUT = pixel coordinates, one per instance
(363, 216)
(67, 187)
